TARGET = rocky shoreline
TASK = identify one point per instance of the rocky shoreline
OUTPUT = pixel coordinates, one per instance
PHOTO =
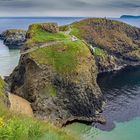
(60, 92)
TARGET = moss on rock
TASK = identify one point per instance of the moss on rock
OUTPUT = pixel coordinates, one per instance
(1, 87)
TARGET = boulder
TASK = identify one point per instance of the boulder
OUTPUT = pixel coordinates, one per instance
(50, 27)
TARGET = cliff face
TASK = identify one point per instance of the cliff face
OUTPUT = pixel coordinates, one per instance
(116, 44)
(57, 71)
(59, 80)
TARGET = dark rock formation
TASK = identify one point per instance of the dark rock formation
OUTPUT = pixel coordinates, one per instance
(60, 80)
(77, 98)
(58, 95)
(50, 27)
(13, 38)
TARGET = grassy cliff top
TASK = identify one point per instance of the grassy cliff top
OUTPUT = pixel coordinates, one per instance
(64, 56)
(13, 31)
(106, 36)
(113, 36)
(36, 34)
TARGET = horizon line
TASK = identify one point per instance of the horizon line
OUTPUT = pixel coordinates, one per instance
(58, 17)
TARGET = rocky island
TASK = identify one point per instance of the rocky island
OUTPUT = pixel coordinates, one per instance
(13, 38)
(57, 74)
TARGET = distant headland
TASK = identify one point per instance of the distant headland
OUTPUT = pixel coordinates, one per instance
(129, 16)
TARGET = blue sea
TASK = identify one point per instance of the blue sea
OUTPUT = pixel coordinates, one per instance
(121, 89)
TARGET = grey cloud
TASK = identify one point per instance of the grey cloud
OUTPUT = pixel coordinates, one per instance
(125, 4)
(97, 7)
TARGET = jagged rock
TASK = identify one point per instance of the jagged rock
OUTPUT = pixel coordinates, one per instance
(13, 38)
(50, 27)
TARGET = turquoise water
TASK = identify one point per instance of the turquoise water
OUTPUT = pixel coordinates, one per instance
(123, 131)
(122, 111)
(8, 59)
(121, 89)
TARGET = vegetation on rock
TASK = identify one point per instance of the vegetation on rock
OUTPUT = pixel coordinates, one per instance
(63, 57)
(14, 126)
(13, 38)
(19, 127)
(110, 35)
(57, 74)
(64, 28)
(119, 40)
(1, 87)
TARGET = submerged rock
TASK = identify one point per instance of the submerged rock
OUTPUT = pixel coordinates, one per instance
(13, 38)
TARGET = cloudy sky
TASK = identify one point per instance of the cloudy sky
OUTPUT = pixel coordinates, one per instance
(97, 8)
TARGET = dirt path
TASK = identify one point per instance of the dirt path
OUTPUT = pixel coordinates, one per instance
(46, 44)
(42, 46)
(20, 105)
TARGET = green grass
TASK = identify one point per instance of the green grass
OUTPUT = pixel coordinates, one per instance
(75, 31)
(11, 31)
(99, 52)
(64, 28)
(52, 91)
(19, 127)
(63, 57)
(40, 35)
(1, 86)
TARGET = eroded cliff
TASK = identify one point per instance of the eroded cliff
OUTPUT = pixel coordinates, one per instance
(60, 79)
(59, 65)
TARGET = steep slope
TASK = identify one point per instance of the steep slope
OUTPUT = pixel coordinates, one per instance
(59, 80)
(14, 126)
(58, 69)
(116, 44)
